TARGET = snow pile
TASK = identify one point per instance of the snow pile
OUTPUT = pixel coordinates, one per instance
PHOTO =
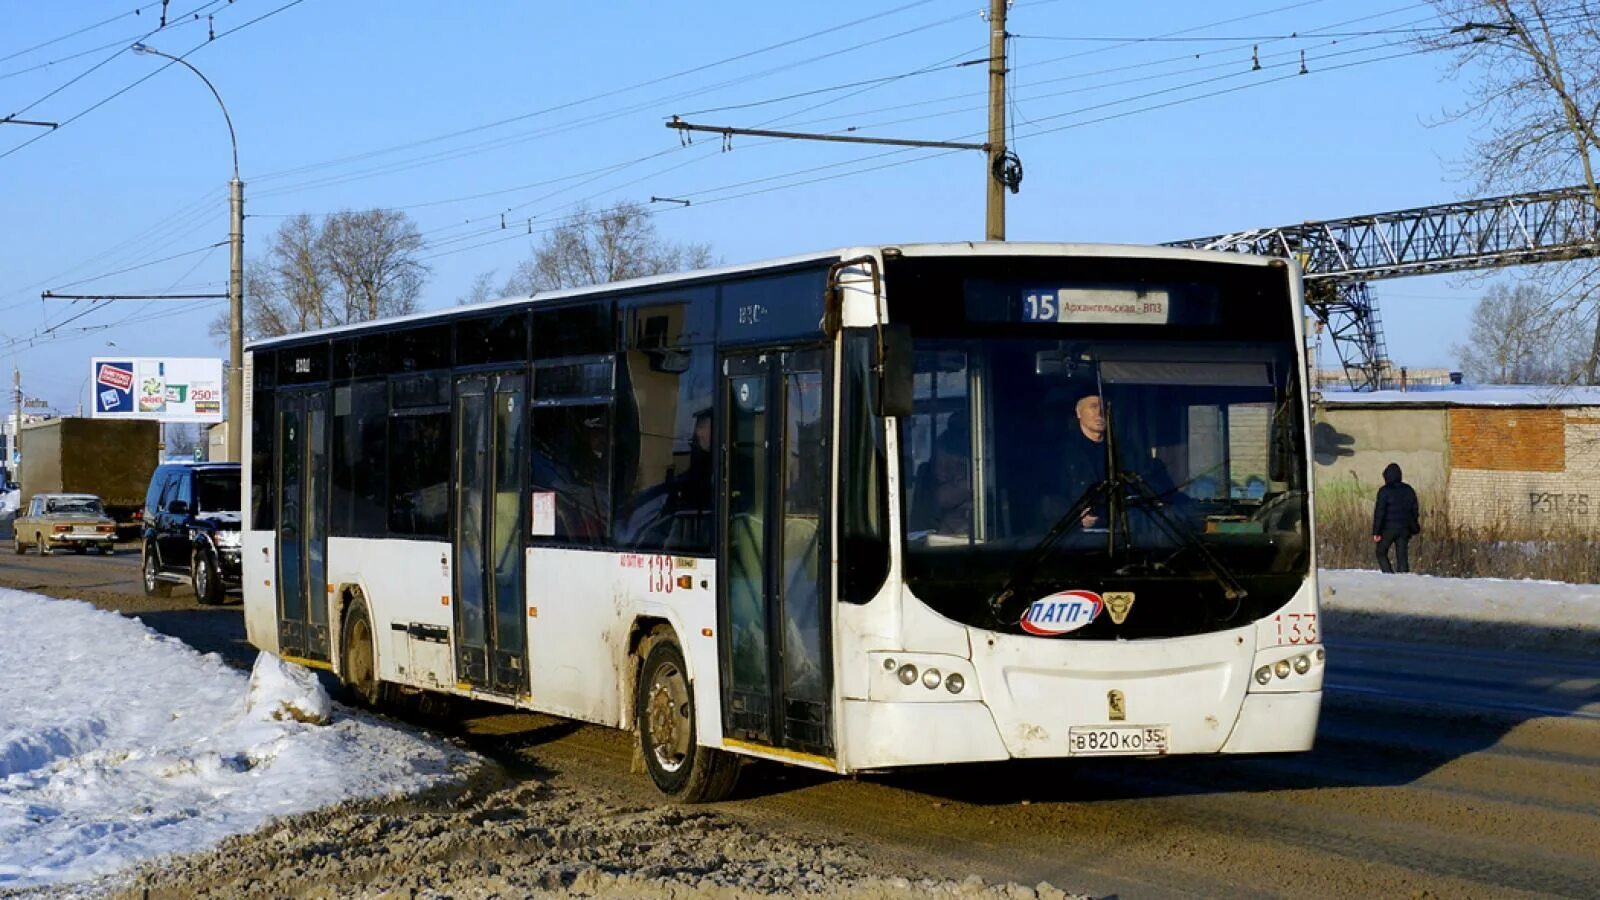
(281, 690)
(1551, 614)
(118, 744)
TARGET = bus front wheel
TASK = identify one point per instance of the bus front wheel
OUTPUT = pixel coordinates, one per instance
(664, 717)
(358, 660)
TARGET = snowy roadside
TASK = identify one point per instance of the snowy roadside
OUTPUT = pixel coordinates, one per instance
(1485, 611)
(132, 761)
(118, 744)
(131, 765)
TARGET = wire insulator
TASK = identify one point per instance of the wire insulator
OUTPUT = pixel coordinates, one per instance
(1008, 170)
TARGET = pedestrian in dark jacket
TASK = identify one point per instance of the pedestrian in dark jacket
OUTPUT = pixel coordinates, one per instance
(1396, 518)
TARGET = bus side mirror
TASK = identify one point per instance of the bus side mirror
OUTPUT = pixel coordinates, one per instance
(896, 365)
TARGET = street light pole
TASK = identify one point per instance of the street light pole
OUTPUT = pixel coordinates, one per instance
(235, 416)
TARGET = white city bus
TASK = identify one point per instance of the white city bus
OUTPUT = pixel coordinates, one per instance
(888, 506)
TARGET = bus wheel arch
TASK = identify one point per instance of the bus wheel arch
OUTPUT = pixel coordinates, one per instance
(358, 647)
(646, 631)
(664, 717)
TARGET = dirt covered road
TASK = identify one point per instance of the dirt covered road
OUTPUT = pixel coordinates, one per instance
(1437, 773)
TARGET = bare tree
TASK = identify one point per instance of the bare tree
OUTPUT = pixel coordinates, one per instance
(598, 247)
(372, 256)
(1535, 92)
(350, 267)
(1519, 337)
(481, 291)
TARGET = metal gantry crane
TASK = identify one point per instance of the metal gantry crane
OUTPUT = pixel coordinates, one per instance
(1341, 256)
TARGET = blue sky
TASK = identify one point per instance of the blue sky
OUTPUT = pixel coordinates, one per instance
(354, 105)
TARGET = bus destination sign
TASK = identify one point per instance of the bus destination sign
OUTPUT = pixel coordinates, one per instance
(1096, 305)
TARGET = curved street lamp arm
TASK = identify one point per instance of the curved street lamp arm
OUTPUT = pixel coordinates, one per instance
(232, 138)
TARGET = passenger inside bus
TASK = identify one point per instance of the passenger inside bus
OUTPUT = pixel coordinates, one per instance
(674, 514)
(942, 494)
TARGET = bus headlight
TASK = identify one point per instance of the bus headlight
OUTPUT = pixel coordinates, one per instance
(954, 683)
(908, 674)
(1263, 675)
(930, 679)
(1281, 668)
(1302, 664)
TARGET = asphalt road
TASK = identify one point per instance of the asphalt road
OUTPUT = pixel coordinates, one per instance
(1438, 772)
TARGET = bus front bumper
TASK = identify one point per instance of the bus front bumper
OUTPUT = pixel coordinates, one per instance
(1275, 723)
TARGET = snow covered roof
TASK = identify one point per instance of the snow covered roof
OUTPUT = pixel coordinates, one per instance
(1469, 395)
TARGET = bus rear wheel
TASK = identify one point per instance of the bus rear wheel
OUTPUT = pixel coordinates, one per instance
(358, 659)
(664, 717)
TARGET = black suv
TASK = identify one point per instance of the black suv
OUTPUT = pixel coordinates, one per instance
(191, 529)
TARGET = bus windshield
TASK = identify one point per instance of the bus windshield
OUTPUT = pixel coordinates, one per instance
(1166, 463)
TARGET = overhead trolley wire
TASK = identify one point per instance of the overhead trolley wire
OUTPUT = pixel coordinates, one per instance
(1078, 76)
(124, 49)
(142, 265)
(116, 251)
(571, 125)
(1237, 73)
(56, 40)
(926, 157)
(153, 73)
(589, 99)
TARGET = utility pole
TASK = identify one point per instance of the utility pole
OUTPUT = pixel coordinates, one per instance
(236, 424)
(995, 208)
(16, 426)
(235, 267)
(1002, 169)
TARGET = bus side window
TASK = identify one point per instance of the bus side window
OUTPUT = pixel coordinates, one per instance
(419, 455)
(360, 453)
(572, 445)
(263, 431)
(664, 450)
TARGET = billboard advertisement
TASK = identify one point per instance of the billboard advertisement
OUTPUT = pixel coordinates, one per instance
(167, 389)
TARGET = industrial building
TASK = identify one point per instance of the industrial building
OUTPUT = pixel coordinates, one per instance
(1523, 459)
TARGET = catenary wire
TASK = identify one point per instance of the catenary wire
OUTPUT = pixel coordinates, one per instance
(87, 28)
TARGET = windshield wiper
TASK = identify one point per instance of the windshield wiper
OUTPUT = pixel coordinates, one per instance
(1107, 488)
(1180, 532)
(1022, 573)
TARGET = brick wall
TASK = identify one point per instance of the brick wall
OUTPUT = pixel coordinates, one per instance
(1508, 439)
(1525, 470)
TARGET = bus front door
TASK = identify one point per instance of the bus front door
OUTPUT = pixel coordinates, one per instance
(491, 481)
(303, 524)
(774, 601)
